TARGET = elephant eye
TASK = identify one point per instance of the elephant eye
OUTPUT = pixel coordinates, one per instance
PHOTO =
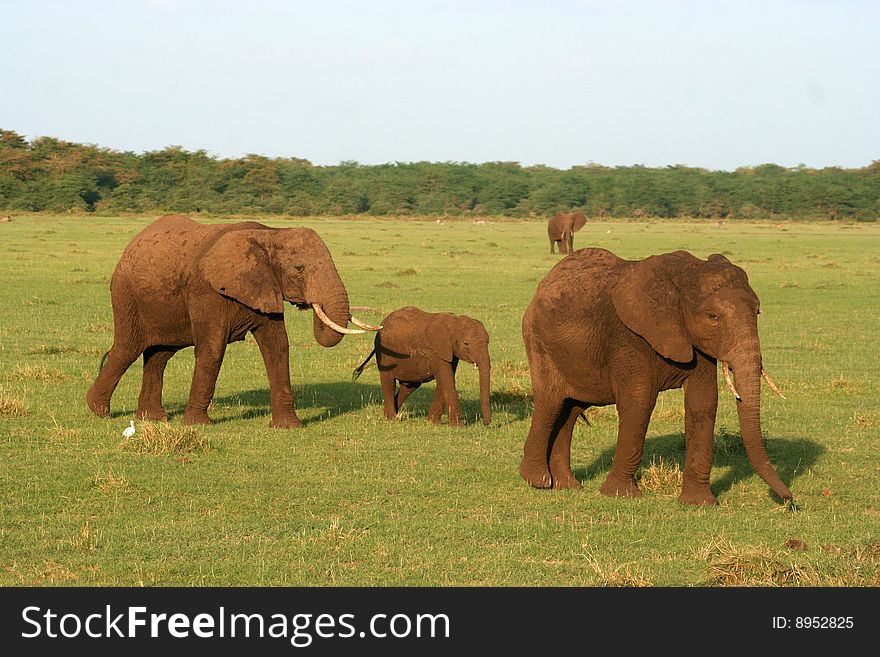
(712, 317)
(299, 268)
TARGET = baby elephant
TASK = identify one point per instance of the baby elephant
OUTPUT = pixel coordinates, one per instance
(415, 347)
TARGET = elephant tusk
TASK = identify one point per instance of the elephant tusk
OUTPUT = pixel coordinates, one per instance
(364, 325)
(329, 322)
(770, 383)
(726, 368)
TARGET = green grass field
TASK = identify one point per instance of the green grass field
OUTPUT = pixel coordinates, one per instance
(351, 499)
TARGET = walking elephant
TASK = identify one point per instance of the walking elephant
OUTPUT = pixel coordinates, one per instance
(415, 346)
(601, 330)
(180, 283)
(561, 229)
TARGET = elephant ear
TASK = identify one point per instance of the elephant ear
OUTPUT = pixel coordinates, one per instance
(438, 339)
(554, 226)
(578, 221)
(238, 266)
(647, 301)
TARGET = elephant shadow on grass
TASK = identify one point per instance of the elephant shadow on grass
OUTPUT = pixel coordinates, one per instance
(330, 399)
(791, 457)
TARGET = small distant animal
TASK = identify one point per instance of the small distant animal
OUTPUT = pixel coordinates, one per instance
(5, 219)
(561, 229)
(129, 430)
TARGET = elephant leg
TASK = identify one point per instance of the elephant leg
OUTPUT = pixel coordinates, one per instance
(436, 410)
(560, 448)
(552, 246)
(404, 391)
(272, 340)
(534, 467)
(634, 407)
(128, 344)
(386, 379)
(569, 247)
(120, 358)
(209, 357)
(700, 407)
(150, 400)
(444, 373)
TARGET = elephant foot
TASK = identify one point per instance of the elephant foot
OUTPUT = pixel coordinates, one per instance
(620, 488)
(698, 497)
(536, 477)
(567, 483)
(434, 419)
(99, 407)
(286, 422)
(152, 414)
(454, 422)
(196, 418)
(563, 477)
(390, 416)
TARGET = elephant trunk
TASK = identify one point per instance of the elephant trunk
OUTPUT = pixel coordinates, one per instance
(333, 300)
(747, 370)
(485, 369)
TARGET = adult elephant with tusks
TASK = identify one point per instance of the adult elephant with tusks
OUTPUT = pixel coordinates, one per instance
(601, 330)
(180, 283)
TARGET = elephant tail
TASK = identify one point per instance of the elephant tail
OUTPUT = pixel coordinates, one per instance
(360, 368)
(103, 361)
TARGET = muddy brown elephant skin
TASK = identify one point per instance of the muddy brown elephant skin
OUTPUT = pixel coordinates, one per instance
(415, 347)
(561, 229)
(180, 283)
(601, 330)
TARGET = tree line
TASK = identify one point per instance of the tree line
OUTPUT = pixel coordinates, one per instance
(51, 175)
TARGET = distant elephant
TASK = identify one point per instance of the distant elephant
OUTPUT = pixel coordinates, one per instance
(602, 330)
(415, 346)
(180, 283)
(561, 229)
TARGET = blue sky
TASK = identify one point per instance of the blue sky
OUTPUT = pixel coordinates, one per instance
(712, 84)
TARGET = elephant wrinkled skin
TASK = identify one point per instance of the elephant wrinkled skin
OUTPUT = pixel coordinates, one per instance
(415, 346)
(601, 330)
(180, 283)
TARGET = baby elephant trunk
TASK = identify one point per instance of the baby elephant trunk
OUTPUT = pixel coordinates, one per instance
(485, 368)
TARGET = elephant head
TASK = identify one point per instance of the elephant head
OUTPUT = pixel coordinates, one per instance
(562, 228)
(465, 338)
(679, 303)
(262, 268)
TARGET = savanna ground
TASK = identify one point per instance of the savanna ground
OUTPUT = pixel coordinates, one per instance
(351, 499)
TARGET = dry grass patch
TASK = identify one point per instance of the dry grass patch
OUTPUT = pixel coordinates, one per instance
(96, 327)
(11, 406)
(165, 438)
(110, 482)
(661, 478)
(864, 421)
(37, 373)
(756, 566)
(620, 575)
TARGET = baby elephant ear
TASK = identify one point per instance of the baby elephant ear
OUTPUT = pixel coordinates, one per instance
(647, 300)
(578, 221)
(439, 340)
(238, 266)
